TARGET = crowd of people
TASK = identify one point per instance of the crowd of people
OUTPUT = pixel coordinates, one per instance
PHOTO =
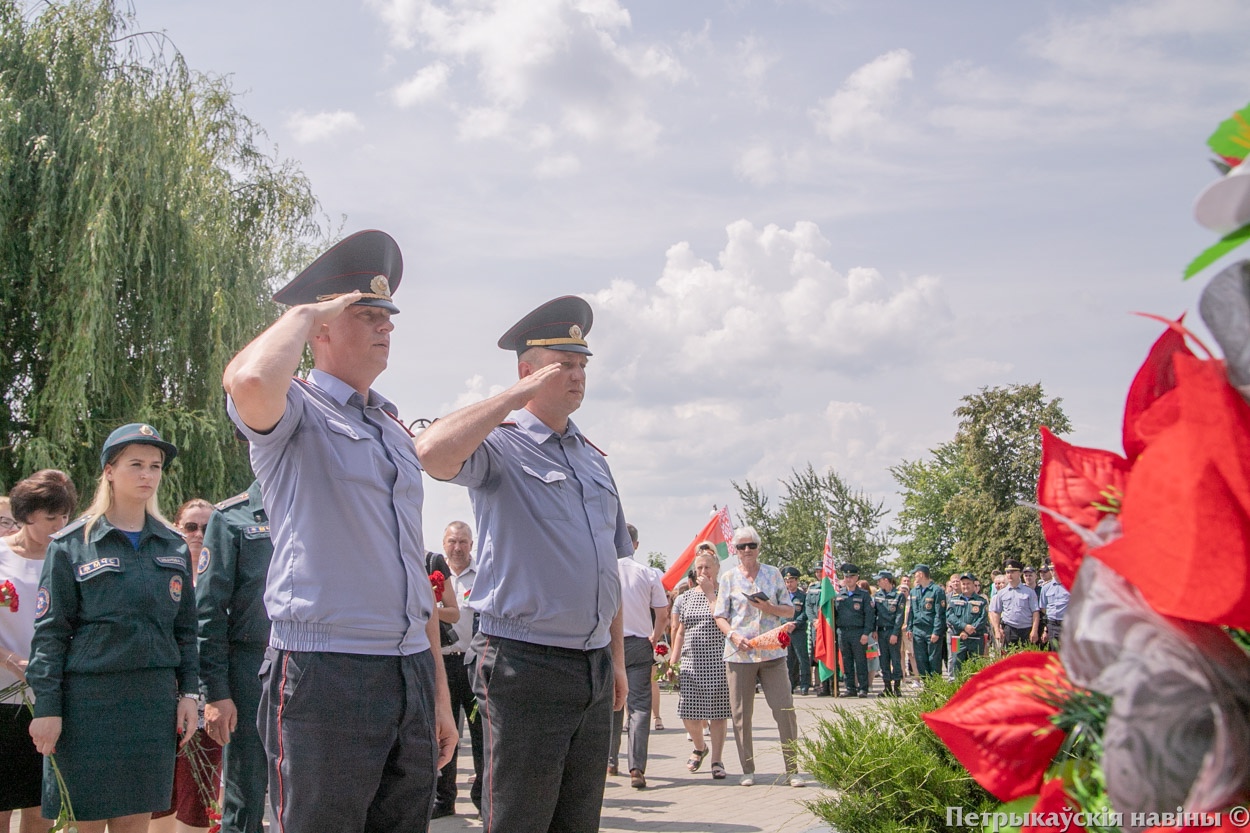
(298, 641)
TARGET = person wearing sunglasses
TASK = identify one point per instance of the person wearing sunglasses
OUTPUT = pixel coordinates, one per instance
(752, 600)
(188, 807)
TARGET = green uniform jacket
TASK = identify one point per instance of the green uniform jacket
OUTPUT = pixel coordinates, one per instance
(811, 603)
(927, 612)
(854, 612)
(889, 608)
(973, 610)
(230, 588)
(799, 599)
(105, 607)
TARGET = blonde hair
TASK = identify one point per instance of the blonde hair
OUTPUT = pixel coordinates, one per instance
(103, 501)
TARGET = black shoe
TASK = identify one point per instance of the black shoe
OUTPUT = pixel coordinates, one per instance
(442, 811)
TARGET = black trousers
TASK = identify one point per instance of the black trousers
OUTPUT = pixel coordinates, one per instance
(460, 686)
(547, 714)
(799, 660)
(854, 660)
(350, 741)
(891, 658)
(1015, 636)
(245, 772)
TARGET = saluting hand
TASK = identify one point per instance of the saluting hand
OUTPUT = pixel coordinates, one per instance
(221, 718)
(525, 388)
(184, 723)
(324, 312)
(45, 731)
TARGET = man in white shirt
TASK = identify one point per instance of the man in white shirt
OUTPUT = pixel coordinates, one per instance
(644, 606)
(459, 661)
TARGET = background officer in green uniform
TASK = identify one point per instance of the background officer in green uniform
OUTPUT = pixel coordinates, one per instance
(234, 630)
(967, 616)
(811, 608)
(853, 613)
(889, 606)
(799, 658)
(926, 621)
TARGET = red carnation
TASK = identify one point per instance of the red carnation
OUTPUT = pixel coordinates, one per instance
(784, 639)
(661, 649)
(438, 581)
(8, 595)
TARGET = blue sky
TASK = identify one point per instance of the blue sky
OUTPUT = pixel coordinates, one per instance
(807, 228)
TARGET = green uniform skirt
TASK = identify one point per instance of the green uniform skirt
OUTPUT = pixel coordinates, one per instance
(117, 745)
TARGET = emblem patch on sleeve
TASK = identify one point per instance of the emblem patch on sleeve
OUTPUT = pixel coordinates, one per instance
(202, 564)
(175, 588)
(42, 602)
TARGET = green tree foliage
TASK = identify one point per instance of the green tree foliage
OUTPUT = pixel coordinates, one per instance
(925, 532)
(795, 533)
(657, 560)
(961, 507)
(140, 223)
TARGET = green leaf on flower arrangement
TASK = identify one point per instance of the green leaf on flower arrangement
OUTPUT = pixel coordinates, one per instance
(1224, 246)
(1231, 138)
(1019, 807)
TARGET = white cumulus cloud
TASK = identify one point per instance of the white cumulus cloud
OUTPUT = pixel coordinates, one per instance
(315, 127)
(860, 104)
(427, 83)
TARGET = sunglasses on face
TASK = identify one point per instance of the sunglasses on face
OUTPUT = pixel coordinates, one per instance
(192, 526)
(749, 545)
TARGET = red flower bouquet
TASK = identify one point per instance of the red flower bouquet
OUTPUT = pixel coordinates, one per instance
(438, 581)
(8, 596)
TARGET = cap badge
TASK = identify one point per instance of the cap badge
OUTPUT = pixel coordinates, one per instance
(147, 430)
(380, 286)
(575, 331)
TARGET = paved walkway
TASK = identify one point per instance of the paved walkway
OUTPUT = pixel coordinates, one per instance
(676, 801)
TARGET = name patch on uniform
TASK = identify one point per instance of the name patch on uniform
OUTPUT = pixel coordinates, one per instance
(175, 588)
(253, 532)
(99, 564)
(202, 564)
(42, 602)
(171, 561)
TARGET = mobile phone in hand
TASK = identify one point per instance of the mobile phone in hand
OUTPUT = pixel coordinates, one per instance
(759, 597)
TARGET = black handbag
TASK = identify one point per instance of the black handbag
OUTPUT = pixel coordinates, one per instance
(446, 630)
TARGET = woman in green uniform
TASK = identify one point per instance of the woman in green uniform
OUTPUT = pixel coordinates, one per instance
(114, 645)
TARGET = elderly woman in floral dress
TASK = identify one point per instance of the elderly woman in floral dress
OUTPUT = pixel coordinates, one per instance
(753, 600)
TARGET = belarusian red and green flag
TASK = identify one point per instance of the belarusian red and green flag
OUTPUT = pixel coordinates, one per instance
(719, 531)
(825, 650)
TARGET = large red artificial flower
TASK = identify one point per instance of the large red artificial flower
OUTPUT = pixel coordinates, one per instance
(1186, 511)
(1155, 379)
(1054, 812)
(999, 728)
(1074, 482)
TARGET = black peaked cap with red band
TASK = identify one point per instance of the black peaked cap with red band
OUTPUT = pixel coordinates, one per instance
(368, 261)
(559, 324)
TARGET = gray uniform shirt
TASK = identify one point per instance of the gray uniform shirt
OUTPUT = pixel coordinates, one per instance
(550, 529)
(343, 489)
(1016, 604)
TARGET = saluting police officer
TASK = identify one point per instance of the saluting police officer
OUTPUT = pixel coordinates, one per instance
(888, 606)
(967, 616)
(234, 631)
(856, 620)
(926, 621)
(348, 594)
(551, 664)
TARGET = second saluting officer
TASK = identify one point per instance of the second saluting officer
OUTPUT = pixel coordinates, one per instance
(551, 665)
(234, 631)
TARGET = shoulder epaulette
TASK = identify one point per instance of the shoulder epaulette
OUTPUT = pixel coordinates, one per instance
(231, 502)
(72, 527)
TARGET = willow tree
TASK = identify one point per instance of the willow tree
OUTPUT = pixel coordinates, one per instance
(141, 225)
